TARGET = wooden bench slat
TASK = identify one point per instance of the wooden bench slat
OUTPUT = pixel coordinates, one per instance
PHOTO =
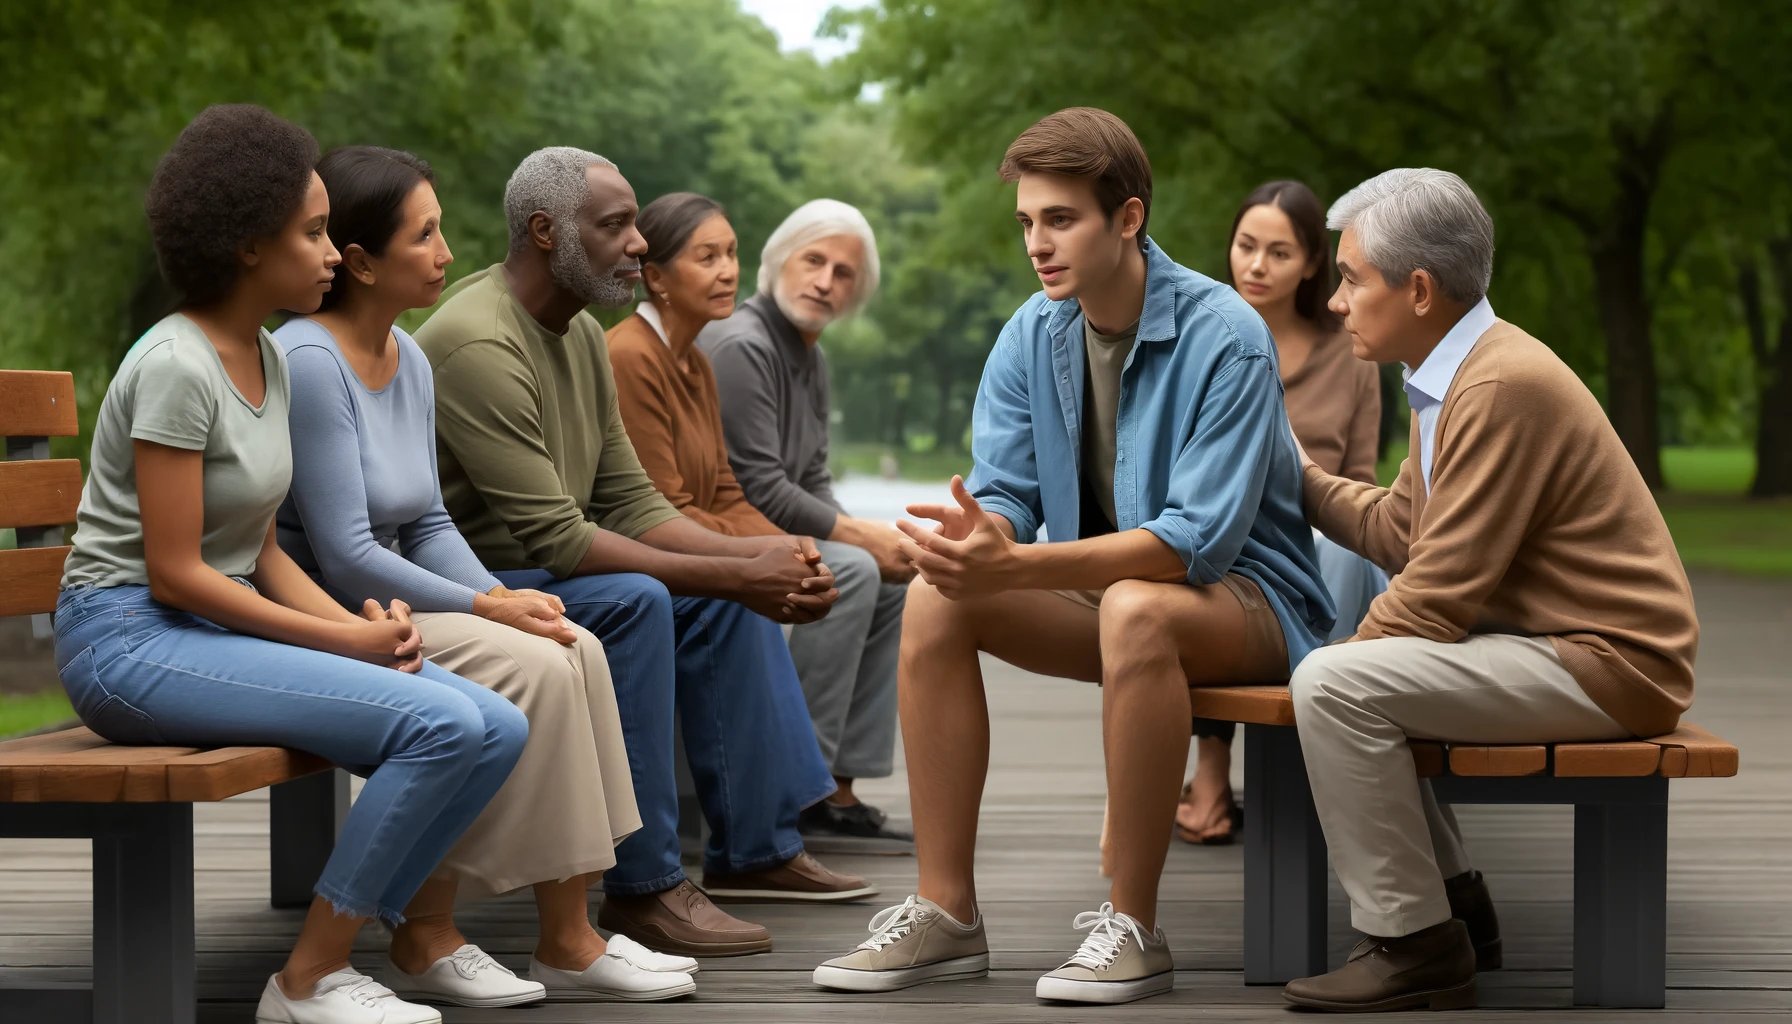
(1253, 705)
(1501, 760)
(1690, 752)
(40, 492)
(76, 766)
(37, 403)
(1619, 759)
(29, 580)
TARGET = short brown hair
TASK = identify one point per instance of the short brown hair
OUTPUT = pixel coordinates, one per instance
(1086, 142)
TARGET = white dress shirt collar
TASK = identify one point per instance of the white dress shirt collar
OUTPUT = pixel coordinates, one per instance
(647, 312)
(1430, 382)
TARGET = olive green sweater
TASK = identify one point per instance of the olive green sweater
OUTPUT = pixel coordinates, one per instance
(532, 451)
(1538, 523)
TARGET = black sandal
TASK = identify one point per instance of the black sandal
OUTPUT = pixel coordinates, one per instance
(1226, 838)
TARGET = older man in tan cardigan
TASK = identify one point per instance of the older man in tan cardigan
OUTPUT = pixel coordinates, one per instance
(1537, 597)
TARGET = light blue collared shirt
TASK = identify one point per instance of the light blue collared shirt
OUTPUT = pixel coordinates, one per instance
(1427, 385)
(1203, 457)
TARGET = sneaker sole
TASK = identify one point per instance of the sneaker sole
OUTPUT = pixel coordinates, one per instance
(747, 947)
(587, 995)
(1459, 997)
(789, 895)
(441, 999)
(1069, 990)
(845, 979)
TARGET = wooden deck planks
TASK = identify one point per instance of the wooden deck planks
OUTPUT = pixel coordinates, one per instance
(1730, 882)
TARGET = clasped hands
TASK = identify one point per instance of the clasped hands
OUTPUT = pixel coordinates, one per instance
(967, 554)
(788, 582)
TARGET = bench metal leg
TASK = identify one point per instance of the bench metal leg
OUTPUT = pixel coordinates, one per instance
(1620, 900)
(304, 818)
(143, 967)
(1284, 862)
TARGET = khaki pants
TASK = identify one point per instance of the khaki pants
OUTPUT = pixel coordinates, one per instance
(570, 799)
(1357, 703)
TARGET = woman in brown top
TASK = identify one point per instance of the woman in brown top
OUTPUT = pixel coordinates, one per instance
(1281, 262)
(665, 386)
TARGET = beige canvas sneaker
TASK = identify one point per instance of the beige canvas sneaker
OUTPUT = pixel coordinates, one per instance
(1117, 963)
(911, 943)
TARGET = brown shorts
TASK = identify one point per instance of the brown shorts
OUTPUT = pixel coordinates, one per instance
(1265, 650)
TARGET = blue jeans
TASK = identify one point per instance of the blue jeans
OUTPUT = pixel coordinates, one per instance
(433, 746)
(747, 734)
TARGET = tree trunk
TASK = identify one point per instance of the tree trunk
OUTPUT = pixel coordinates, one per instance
(1773, 432)
(1630, 386)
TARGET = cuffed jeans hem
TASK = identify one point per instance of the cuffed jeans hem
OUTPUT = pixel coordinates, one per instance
(847, 771)
(742, 867)
(346, 907)
(648, 888)
(1392, 926)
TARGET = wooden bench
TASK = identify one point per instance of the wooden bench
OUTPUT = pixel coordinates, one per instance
(1620, 795)
(135, 803)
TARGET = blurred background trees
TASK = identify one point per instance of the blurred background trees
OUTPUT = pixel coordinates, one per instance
(1636, 155)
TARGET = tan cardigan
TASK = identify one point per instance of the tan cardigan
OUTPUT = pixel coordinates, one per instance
(1537, 523)
(674, 420)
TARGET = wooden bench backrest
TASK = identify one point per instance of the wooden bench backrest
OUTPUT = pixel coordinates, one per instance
(38, 494)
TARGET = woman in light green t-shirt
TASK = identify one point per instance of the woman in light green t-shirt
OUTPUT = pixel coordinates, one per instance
(182, 622)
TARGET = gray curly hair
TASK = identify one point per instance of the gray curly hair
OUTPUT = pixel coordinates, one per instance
(551, 180)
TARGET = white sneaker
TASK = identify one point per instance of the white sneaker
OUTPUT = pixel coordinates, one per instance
(466, 977)
(1117, 963)
(345, 997)
(612, 975)
(648, 959)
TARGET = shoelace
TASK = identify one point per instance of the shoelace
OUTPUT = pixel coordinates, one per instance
(1107, 936)
(470, 961)
(364, 990)
(892, 923)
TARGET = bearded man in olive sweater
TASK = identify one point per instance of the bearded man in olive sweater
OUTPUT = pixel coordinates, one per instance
(1537, 595)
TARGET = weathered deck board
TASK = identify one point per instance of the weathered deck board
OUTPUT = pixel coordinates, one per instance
(1729, 883)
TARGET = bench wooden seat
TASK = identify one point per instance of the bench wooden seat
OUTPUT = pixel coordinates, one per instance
(134, 803)
(1620, 798)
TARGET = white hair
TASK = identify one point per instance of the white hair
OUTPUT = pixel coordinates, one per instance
(551, 180)
(1421, 218)
(811, 222)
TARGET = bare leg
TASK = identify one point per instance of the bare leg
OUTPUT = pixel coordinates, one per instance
(945, 719)
(1157, 639)
(428, 933)
(842, 795)
(567, 940)
(322, 948)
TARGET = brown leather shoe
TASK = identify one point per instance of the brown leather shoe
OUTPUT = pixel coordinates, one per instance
(802, 877)
(682, 920)
(1472, 904)
(1433, 968)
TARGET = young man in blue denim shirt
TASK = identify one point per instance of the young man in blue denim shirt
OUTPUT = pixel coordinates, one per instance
(1134, 410)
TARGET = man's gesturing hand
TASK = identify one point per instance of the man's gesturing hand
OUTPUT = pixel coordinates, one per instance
(967, 554)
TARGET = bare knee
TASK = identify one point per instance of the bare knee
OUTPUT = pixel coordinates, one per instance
(1136, 628)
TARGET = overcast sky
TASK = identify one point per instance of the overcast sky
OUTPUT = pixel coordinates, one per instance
(795, 22)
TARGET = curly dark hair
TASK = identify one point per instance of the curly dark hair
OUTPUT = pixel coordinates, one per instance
(235, 174)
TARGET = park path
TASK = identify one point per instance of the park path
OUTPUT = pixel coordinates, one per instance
(1729, 910)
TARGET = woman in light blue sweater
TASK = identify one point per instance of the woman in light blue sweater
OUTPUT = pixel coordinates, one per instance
(365, 519)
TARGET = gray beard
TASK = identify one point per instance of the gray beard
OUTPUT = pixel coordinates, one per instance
(808, 324)
(571, 268)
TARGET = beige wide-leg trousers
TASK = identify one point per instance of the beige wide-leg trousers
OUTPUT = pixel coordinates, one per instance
(570, 799)
(1357, 703)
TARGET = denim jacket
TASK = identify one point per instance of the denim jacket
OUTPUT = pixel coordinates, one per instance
(1204, 458)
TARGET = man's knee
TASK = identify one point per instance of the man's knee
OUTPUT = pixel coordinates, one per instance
(855, 570)
(1135, 623)
(1319, 687)
(633, 596)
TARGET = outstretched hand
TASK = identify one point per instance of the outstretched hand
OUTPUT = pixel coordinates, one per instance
(967, 553)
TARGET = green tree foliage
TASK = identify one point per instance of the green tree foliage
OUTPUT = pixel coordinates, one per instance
(1604, 135)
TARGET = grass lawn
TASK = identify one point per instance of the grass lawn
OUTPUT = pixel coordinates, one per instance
(24, 712)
